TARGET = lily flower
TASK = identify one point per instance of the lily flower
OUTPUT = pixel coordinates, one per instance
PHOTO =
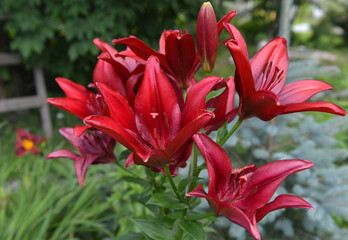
(79, 101)
(261, 86)
(95, 147)
(27, 142)
(153, 131)
(177, 54)
(121, 74)
(242, 195)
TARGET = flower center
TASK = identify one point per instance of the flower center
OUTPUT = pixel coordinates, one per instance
(27, 144)
(270, 76)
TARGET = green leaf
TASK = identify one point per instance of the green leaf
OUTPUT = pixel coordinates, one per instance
(222, 132)
(154, 230)
(167, 200)
(131, 236)
(213, 94)
(184, 182)
(194, 229)
(134, 180)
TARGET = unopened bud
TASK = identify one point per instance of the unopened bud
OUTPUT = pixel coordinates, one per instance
(207, 37)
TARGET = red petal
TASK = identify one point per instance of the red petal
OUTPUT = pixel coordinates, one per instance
(237, 216)
(119, 63)
(243, 79)
(126, 137)
(198, 192)
(274, 52)
(321, 106)
(225, 19)
(195, 99)
(68, 133)
(74, 106)
(185, 134)
(79, 130)
(116, 102)
(218, 163)
(81, 165)
(141, 50)
(180, 54)
(262, 104)
(301, 91)
(237, 36)
(62, 153)
(105, 73)
(156, 105)
(73, 90)
(265, 181)
(282, 201)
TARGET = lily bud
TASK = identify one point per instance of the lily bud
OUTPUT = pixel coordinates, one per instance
(207, 37)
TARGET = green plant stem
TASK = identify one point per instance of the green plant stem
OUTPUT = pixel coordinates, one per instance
(153, 178)
(172, 184)
(130, 172)
(192, 172)
(193, 167)
(235, 127)
(182, 219)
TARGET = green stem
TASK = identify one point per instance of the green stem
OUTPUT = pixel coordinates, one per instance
(180, 231)
(153, 178)
(193, 167)
(235, 127)
(130, 172)
(172, 184)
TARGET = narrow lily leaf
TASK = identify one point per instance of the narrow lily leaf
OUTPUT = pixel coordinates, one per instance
(134, 180)
(183, 183)
(154, 230)
(194, 229)
(166, 200)
(222, 132)
(215, 93)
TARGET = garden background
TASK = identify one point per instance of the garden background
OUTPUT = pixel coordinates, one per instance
(42, 199)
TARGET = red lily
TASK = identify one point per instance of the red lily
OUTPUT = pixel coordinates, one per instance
(121, 74)
(242, 195)
(260, 83)
(27, 142)
(177, 53)
(79, 101)
(95, 147)
(153, 131)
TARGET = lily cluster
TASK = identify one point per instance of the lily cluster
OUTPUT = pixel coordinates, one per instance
(149, 101)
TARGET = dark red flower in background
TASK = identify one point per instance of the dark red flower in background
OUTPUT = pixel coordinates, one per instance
(27, 142)
(242, 195)
(153, 131)
(260, 82)
(94, 147)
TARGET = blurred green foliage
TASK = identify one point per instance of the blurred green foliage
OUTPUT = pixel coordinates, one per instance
(58, 35)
